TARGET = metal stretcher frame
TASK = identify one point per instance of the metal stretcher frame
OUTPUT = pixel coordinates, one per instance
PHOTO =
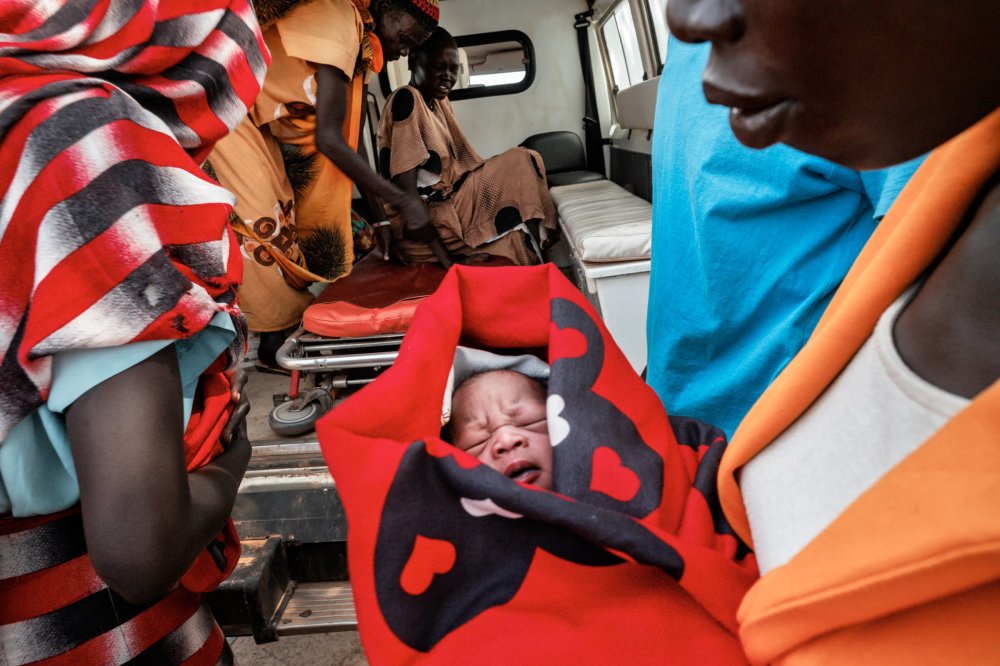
(308, 352)
(351, 333)
(305, 352)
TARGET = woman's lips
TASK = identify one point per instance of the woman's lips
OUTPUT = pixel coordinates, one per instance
(757, 120)
(760, 127)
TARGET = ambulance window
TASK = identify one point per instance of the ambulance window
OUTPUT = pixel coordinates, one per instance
(494, 63)
(622, 42)
(658, 9)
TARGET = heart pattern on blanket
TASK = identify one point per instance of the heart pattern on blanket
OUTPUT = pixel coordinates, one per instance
(558, 425)
(430, 558)
(603, 459)
(570, 342)
(611, 477)
(486, 507)
(602, 466)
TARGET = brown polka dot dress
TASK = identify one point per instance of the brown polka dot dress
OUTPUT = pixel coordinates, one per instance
(477, 205)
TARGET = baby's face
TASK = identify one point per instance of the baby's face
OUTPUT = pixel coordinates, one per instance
(499, 417)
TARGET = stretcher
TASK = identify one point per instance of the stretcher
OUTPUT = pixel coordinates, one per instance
(348, 335)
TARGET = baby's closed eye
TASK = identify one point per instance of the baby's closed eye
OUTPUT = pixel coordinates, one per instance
(536, 425)
(473, 448)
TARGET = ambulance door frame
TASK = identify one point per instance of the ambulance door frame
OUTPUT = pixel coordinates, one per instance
(645, 38)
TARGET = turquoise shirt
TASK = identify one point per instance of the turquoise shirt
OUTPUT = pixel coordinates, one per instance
(748, 248)
(37, 476)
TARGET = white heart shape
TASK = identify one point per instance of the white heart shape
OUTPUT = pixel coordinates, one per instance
(486, 507)
(558, 426)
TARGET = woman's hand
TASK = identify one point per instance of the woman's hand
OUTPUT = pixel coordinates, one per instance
(413, 211)
(472, 259)
(384, 238)
(235, 432)
(417, 224)
(551, 238)
(390, 250)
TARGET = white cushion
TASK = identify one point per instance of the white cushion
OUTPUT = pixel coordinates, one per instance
(604, 222)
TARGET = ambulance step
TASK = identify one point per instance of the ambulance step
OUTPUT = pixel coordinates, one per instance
(318, 608)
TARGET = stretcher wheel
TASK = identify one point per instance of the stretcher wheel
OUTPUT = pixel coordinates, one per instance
(290, 419)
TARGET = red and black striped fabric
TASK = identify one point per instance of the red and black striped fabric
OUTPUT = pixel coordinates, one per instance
(110, 231)
(112, 234)
(629, 561)
(57, 611)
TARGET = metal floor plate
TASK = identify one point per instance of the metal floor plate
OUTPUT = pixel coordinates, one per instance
(318, 608)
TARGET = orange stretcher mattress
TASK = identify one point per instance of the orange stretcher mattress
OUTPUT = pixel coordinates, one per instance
(378, 297)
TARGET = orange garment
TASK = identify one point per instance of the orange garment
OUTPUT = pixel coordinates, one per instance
(910, 572)
(293, 208)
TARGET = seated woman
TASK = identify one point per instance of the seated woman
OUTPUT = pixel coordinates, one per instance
(476, 205)
(869, 473)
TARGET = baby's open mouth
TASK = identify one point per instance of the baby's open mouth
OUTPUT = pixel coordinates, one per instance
(522, 471)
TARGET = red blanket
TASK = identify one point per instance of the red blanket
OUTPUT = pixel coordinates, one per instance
(630, 559)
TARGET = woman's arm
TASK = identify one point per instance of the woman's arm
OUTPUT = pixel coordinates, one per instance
(145, 517)
(331, 108)
(408, 182)
(375, 203)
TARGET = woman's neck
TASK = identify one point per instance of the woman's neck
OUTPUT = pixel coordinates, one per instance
(429, 99)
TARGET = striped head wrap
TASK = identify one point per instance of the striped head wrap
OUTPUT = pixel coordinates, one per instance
(427, 12)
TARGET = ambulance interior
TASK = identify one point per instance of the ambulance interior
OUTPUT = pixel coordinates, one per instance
(575, 80)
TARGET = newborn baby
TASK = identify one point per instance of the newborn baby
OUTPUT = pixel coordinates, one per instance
(498, 415)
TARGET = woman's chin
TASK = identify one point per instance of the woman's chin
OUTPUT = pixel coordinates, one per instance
(433, 94)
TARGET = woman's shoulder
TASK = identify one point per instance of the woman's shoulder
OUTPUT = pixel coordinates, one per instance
(284, 13)
(403, 103)
(963, 281)
(328, 32)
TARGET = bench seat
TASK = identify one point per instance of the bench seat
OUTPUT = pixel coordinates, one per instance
(604, 222)
(606, 231)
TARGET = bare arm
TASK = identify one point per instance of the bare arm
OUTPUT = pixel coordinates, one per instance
(145, 518)
(375, 202)
(331, 109)
(408, 181)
